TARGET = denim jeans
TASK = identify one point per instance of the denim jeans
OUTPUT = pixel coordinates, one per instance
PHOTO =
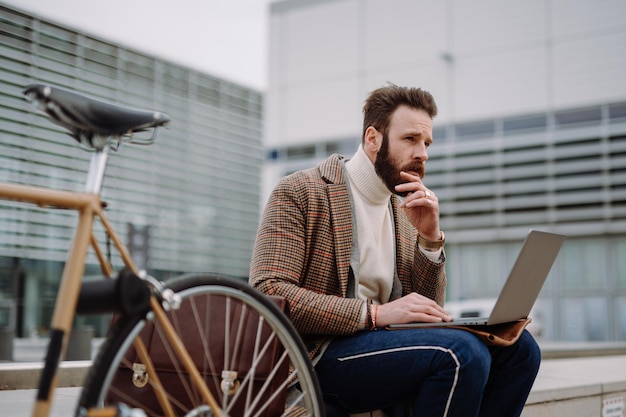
(435, 372)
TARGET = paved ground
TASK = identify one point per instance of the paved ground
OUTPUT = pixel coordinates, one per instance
(557, 376)
(558, 379)
(19, 403)
(34, 349)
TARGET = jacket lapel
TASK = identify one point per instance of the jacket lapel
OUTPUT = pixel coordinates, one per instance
(406, 241)
(341, 216)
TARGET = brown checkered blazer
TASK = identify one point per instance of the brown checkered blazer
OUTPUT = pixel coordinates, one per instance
(302, 252)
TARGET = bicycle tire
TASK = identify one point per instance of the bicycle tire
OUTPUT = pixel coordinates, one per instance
(193, 288)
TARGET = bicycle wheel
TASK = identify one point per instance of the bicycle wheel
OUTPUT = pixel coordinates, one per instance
(244, 329)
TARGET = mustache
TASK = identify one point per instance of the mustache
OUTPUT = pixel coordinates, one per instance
(415, 166)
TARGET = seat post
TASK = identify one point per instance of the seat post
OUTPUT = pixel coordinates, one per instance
(97, 166)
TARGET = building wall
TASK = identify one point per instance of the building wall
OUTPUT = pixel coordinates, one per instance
(196, 187)
(479, 59)
(531, 131)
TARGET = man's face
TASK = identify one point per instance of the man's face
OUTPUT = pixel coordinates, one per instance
(404, 146)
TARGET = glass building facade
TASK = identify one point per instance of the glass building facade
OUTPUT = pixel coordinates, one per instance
(187, 203)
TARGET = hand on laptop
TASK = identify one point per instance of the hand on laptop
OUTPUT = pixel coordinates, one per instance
(411, 308)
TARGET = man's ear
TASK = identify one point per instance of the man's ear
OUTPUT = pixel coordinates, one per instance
(372, 140)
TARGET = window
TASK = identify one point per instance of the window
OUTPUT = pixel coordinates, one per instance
(579, 116)
(526, 123)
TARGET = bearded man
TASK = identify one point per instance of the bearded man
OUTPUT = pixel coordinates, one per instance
(355, 245)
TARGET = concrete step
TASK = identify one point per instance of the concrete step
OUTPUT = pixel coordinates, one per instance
(572, 386)
(594, 386)
(25, 375)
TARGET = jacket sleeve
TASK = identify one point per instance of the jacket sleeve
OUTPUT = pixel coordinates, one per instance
(293, 257)
(429, 278)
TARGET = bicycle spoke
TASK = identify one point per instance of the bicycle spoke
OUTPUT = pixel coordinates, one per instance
(248, 353)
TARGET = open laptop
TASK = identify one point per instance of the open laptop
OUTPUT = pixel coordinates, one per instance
(522, 287)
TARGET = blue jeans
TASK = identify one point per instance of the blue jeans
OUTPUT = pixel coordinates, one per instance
(435, 372)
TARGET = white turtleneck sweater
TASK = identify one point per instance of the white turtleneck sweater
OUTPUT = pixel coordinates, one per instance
(374, 231)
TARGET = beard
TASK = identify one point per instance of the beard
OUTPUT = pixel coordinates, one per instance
(388, 168)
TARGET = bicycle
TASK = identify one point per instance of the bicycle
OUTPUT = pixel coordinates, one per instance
(148, 344)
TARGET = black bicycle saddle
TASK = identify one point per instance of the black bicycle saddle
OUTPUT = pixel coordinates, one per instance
(86, 117)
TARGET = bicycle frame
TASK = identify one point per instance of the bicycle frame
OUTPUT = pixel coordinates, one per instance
(89, 206)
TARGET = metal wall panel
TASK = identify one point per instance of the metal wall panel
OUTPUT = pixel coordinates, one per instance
(197, 187)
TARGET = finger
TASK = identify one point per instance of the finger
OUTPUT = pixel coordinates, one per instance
(413, 183)
(435, 311)
(426, 305)
(424, 198)
(410, 176)
(430, 302)
(429, 318)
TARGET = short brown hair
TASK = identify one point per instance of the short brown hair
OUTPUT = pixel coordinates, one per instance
(383, 101)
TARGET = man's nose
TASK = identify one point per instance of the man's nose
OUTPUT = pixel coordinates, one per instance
(420, 153)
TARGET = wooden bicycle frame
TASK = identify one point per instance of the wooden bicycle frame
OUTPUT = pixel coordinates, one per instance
(90, 206)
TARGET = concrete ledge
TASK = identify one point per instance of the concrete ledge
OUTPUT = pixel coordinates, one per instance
(572, 387)
(577, 387)
(560, 350)
(25, 375)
